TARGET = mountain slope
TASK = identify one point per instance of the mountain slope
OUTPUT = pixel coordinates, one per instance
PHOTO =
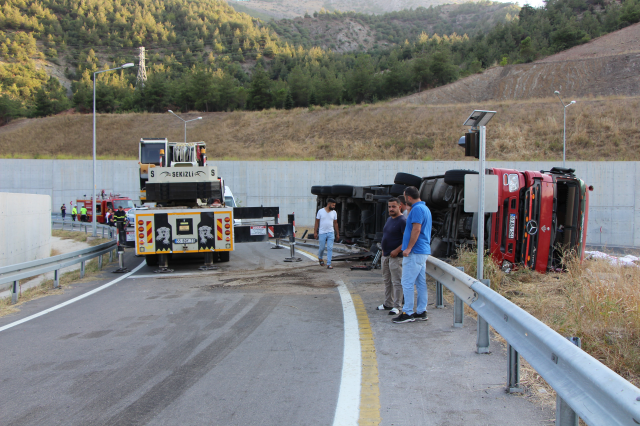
(606, 66)
(342, 32)
(279, 9)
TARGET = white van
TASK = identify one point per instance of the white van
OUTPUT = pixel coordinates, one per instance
(230, 201)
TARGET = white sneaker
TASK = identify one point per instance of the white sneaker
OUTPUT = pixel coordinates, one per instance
(394, 311)
(383, 307)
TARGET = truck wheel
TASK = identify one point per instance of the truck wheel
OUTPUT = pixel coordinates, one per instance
(426, 189)
(316, 190)
(346, 190)
(397, 189)
(151, 259)
(326, 190)
(456, 177)
(408, 180)
(439, 192)
(224, 256)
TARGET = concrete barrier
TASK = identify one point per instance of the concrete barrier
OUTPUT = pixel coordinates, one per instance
(25, 227)
(614, 214)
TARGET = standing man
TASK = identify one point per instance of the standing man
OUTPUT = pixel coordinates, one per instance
(416, 247)
(404, 208)
(392, 235)
(74, 213)
(120, 217)
(326, 224)
(83, 214)
(63, 211)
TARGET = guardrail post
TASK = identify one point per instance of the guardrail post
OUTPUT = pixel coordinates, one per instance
(102, 232)
(458, 308)
(565, 416)
(439, 298)
(81, 269)
(110, 256)
(513, 371)
(56, 278)
(100, 262)
(14, 292)
(482, 344)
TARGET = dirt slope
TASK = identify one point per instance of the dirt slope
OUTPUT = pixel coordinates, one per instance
(597, 129)
(606, 66)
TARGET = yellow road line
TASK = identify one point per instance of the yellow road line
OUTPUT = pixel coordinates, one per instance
(370, 392)
(370, 389)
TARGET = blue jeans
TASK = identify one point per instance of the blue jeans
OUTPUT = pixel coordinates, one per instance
(414, 269)
(328, 240)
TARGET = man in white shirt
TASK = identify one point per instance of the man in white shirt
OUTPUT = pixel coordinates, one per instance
(326, 224)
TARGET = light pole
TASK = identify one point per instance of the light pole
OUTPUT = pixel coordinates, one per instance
(185, 123)
(564, 132)
(93, 193)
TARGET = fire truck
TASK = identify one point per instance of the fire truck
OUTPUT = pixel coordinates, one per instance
(190, 216)
(104, 202)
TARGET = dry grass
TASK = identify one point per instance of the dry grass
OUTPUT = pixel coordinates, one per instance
(597, 129)
(46, 288)
(595, 301)
(78, 236)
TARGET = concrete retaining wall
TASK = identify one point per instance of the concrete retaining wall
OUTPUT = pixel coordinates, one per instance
(25, 227)
(614, 215)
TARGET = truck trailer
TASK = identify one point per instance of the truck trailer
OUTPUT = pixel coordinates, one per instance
(541, 215)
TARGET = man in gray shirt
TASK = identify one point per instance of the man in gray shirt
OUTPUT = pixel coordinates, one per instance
(392, 234)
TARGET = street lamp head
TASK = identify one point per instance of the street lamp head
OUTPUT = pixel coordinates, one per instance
(572, 102)
(200, 118)
(128, 65)
(170, 111)
(556, 93)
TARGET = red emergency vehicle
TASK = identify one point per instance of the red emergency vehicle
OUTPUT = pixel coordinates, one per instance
(103, 204)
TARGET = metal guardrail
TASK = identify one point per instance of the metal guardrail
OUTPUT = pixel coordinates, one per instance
(20, 271)
(586, 388)
(110, 231)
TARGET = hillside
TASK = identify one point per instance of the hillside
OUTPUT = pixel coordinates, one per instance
(202, 55)
(605, 66)
(346, 32)
(597, 129)
(279, 9)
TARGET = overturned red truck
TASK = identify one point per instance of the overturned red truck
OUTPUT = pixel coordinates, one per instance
(540, 216)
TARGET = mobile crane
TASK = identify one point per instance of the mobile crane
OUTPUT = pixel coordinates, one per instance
(190, 216)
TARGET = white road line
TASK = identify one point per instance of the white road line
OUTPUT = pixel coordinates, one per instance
(75, 299)
(348, 407)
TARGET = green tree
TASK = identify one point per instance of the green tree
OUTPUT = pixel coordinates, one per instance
(359, 81)
(260, 91)
(51, 99)
(299, 86)
(442, 68)
(288, 102)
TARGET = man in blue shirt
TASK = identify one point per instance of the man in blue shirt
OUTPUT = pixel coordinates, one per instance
(416, 247)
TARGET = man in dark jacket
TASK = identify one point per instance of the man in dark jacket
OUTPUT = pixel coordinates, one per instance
(392, 235)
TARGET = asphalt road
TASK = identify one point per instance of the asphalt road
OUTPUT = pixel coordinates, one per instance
(263, 349)
(258, 342)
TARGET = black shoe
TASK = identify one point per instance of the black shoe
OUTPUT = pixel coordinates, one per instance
(403, 318)
(384, 307)
(423, 316)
